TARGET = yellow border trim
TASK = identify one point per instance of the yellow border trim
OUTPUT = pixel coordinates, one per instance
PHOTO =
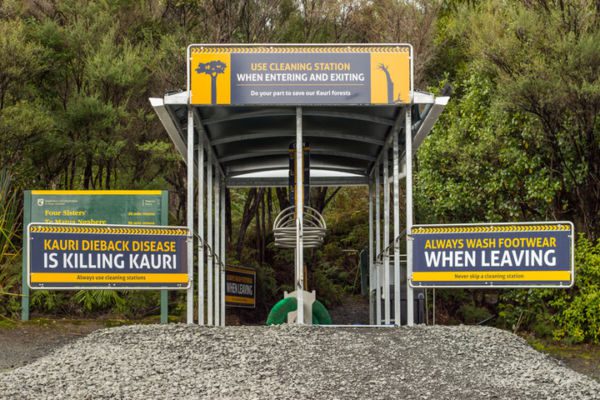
(493, 228)
(96, 192)
(240, 300)
(482, 276)
(108, 230)
(301, 49)
(69, 277)
(241, 270)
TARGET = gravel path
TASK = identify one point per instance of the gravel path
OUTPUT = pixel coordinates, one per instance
(289, 362)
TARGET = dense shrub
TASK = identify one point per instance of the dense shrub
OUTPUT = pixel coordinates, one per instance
(566, 314)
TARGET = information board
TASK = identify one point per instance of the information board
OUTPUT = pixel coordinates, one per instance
(67, 256)
(298, 75)
(240, 287)
(124, 207)
(493, 255)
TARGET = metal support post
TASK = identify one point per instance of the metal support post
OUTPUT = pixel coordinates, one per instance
(396, 169)
(386, 239)
(377, 245)
(371, 264)
(209, 238)
(164, 293)
(190, 215)
(217, 250)
(223, 250)
(433, 311)
(299, 218)
(201, 232)
(409, 216)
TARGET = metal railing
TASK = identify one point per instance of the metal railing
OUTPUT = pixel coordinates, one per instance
(313, 230)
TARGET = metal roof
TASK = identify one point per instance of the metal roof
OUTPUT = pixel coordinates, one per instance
(246, 141)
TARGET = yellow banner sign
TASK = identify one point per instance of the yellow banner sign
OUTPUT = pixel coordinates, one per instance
(298, 75)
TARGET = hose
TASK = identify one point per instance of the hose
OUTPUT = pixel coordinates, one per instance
(279, 312)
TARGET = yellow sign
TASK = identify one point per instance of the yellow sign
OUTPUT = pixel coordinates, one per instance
(297, 75)
(240, 287)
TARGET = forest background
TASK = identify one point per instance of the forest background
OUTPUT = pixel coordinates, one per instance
(519, 140)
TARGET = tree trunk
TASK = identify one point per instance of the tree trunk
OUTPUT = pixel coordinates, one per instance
(108, 174)
(259, 230)
(249, 212)
(87, 173)
(282, 197)
(228, 222)
(270, 206)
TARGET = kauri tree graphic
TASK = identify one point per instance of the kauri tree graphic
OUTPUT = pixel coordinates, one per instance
(390, 83)
(212, 68)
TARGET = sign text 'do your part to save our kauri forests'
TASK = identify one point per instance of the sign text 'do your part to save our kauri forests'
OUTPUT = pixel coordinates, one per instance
(493, 255)
(103, 257)
(300, 75)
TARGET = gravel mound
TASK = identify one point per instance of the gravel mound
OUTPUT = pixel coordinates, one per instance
(291, 362)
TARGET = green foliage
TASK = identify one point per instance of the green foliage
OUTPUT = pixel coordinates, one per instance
(47, 301)
(518, 141)
(10, 215)
(578, 310)
(545, 59)
(570, 314)
(477, 166)
(10, 285)
(327, 280)
(267, 288)
(10, 270)
(471, 314)
(99, 299)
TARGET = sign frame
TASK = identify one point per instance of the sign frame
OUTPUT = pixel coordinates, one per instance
(347, 46)
(28, 216)
(492, 285)
(245, 270)
(142, 227)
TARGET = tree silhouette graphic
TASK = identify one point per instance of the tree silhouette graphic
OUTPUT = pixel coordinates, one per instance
(212, 68)
(390, 83)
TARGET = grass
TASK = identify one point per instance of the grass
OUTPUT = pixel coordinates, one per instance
(583, 358)
(564, 350)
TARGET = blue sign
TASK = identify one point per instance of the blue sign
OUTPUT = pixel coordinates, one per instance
(493, 255)
(289, 79)
(107, 257)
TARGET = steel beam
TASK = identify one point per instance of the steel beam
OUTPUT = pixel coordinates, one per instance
(299, 218)
(278, 152)
(190, 218)
(396, 244)
(209, 239)
(252, 135)
(235, 172)
(201, 233)
(217, 250)
(241, 182)
(409, 217)
(386, 239)
(223, 255)
(308, 113)
(377, 244)
(371, 255)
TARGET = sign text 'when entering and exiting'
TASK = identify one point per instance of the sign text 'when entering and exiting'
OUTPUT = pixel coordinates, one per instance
(492, 255)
